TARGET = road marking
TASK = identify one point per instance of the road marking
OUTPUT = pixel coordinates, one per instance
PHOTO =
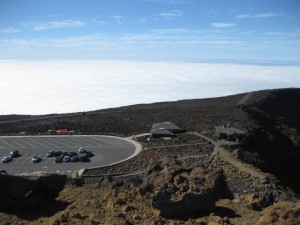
(24, 160)
(39, 143)
(15, 161)
(26, 142)
(58, 142)
(47, 160)
(46, 140)
(8, 143)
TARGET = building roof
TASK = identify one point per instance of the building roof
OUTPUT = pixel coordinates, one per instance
(166, 125)
(230, 130)
(161, 131)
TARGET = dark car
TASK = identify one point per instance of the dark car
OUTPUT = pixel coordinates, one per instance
(89, 154)
(57, 153)
(63, 154)
(54, 153)
(50, 154)
(67, 159)
(84, 159)
(36, 159)
(14, 153)
(59, 159)
(74, 158)
(6, 159)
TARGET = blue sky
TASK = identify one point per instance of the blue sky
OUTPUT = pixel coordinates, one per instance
(150, 29)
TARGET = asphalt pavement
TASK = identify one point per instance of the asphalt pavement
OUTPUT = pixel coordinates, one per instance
(107, 150)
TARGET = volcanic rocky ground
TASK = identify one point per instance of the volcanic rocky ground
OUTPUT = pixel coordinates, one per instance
(177, 181)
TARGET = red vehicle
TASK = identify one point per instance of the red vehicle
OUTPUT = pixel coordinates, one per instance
(72, 154)
(62, 131)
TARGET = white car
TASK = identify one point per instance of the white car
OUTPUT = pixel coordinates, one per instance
(82, 150)
(36, 159)
(6, 159)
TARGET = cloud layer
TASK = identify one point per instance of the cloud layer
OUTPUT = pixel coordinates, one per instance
(40, 87)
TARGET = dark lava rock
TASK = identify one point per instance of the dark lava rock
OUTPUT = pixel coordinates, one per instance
(29, 190)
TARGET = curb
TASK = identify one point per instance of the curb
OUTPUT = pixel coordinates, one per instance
(138, 149)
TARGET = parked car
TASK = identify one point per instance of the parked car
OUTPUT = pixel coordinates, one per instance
(54, 153)
(63, 154)
(59, 159)
(57, 153)
(67, 158)
(72, 154)
(74, 158)
(84, 159)
(89, 154)
(14, 153)
(50, 154)
(82, 150)
(6, 159)
(36, 159)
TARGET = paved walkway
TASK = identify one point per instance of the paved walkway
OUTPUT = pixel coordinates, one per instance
(228, 157)
(179, 145)
(216, 144)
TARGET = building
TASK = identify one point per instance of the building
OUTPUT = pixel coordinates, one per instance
(165, 129)
(231, 133)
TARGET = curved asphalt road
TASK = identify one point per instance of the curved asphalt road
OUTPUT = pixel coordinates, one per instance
(107, 149)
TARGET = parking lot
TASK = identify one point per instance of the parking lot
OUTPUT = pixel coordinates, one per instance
(107, 150)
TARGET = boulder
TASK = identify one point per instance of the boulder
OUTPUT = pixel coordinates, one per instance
(175, 190)
(29, 189)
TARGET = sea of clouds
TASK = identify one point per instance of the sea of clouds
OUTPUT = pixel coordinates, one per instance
(42, 87)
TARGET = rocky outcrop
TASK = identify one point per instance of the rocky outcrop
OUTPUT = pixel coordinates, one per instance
(29, 190)
(175, 190)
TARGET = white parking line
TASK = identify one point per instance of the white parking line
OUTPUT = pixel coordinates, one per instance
(8, 144)
(64, 142)
(24, 161)
(47, 160)
(26, 142)
(39, 143)
(85, 142)
(46, 140)
(12, 139)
